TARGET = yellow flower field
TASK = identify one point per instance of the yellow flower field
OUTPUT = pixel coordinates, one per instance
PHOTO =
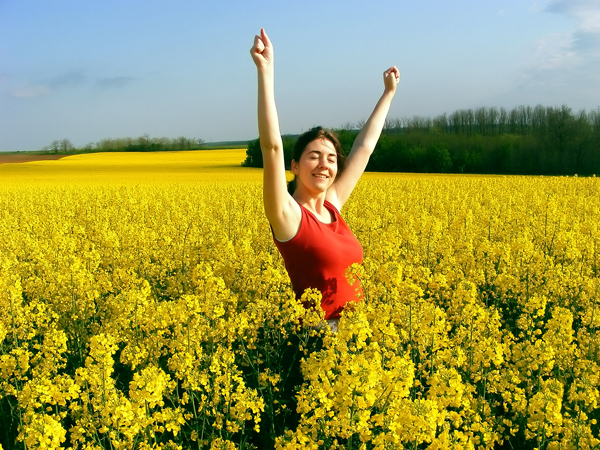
(133, 168)
(144, 305)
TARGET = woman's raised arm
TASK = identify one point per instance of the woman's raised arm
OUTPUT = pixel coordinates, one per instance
(282, 211)
(365, 142)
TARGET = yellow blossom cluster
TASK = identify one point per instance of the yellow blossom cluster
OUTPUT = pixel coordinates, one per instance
(148, 316)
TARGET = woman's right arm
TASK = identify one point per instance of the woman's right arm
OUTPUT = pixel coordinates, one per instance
(281, 209)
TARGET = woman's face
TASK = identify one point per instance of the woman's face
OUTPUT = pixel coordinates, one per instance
(317, 167)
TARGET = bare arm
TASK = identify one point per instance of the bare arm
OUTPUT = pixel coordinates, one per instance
(365, 142)
(282, 211)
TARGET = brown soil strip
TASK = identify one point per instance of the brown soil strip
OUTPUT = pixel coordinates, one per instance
(11, 159)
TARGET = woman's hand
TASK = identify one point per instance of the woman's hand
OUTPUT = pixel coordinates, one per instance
(262, 50)
(364, 143)
(391, 78)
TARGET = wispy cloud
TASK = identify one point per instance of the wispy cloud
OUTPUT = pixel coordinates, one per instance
(35, 89)
(586, 12)
(68, 79)
(553, 51)
(30, 90)
(565, 67)
(584, 40)
(115, 82)
(64, 81)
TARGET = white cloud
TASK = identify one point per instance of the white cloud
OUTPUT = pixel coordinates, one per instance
(586, 12)
(554, 51)
(68, 79)
(564, 68)
(590, 21)
(583, 42)
(115, 82)
(47, 86)
(64, 81)
(29, 90)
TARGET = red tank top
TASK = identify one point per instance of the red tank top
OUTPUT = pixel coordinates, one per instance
(318, 256)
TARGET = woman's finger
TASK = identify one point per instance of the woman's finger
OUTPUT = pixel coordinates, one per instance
(393, 71)
(260, 46)
(265, 38)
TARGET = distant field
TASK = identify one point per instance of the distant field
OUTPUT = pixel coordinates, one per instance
(144, 168)
(12, 158)
(129, 168)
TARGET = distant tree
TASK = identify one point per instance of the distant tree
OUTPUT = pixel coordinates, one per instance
(512, 121)
(441, 122)
(561, 129)
(480, 121)
(55, 146)
(419, 123)
(523, 140)
(454, 122)
(539, 121)
(594, 119)
(585, 142)
(492, 116)
(181, 143)
(502, 121)
(253, 155)
(523, 115)
(65, 145)
(346, 137)
(388, 126)
(288, 149)
(501, 158)
(469, 120)
(438, 159)
(143, 143)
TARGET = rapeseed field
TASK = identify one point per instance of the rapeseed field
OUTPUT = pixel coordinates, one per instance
(144, 305)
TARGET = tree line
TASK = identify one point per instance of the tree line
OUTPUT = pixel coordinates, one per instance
(141, 144)
(524, 140)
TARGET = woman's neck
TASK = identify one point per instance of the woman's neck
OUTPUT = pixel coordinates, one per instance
(315, 205)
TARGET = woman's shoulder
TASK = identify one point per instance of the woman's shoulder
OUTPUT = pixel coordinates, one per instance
(332, 207)
(332, 199)
(285, 225)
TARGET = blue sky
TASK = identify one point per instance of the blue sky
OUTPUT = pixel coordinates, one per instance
(88, 70)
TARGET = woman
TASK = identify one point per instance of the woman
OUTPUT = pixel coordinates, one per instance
(316, 244)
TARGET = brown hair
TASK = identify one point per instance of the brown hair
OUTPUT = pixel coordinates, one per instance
(306, 138)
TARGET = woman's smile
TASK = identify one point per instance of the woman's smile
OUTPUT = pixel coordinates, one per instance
(318, 162)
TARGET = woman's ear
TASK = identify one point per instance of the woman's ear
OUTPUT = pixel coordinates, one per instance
(294, 167)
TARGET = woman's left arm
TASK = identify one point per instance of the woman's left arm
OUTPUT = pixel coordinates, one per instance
(365, 142)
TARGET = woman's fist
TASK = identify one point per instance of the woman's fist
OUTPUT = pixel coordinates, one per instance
(391, 78)
(262, 50)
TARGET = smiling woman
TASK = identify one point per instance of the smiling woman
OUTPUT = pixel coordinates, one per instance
(322, 142)
(315, 242)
